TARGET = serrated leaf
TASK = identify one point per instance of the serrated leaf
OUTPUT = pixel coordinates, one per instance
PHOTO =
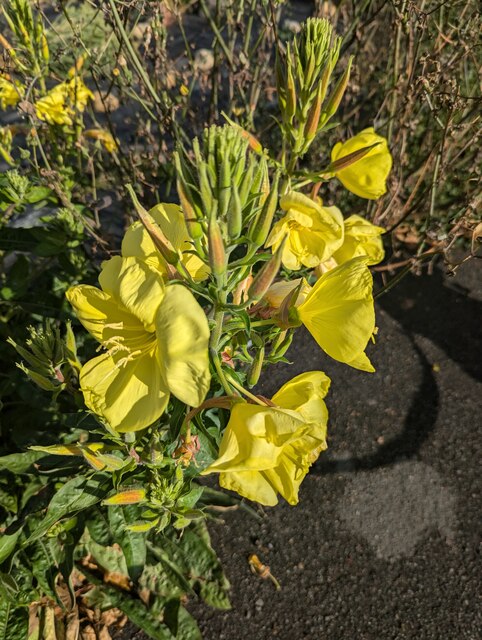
(13, 622)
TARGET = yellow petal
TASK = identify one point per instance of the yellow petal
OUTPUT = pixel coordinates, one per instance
(366, 177)
(362, 238)
(339, 311)
(135, 286)
(183, 338)
(102, 316)
(250, 484)
(305, 394)
(129, 395)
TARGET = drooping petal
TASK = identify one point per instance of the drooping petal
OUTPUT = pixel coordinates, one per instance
(339, 311)
(135, 285)
(183, 338)
(129, 395)
(305, 394)
(252, 485)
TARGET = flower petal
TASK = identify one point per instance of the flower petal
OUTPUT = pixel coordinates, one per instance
(250, 484)
(305, 394)
(102, 316)
(129, 396)
(339, 311)
(135, 285)
(183, 338)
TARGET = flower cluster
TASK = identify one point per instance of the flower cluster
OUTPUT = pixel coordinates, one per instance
(205, 295)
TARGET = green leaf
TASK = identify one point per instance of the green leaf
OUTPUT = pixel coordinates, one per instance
(21, 462)
(133, 544)
(13, 622)
(76, 495)
(8, 543)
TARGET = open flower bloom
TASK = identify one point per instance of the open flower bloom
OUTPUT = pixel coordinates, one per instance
(137, 242)
(156, 337)
(339, 313)
(61, 102)
(10, 92)
(313, 231)
(362, 238)
(366, 177)
(268, 450)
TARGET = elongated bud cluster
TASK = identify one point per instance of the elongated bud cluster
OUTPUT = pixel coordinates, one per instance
(222, 187)
(45, 353)
(303, 76)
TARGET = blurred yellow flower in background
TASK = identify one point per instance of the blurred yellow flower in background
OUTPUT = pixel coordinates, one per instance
(366, 177)
(156, 338)
(313, 231)
(10, 92)
(104, 136)
(59, 105)
(268, 450)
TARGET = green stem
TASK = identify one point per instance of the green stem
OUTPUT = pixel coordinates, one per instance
(217, 33)
(245, 392)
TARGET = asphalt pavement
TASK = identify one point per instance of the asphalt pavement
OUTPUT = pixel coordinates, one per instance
(385, 541)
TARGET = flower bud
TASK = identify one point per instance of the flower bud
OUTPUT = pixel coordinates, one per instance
(128, 496)
(160, 241)
(235, 214)
(261, 225)
(265, 278)
(217, 252)
(256, 367)
(338, 92)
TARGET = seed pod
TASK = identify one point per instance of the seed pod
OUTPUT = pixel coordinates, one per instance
(256, 367)
(261, 225)
(204, 186)
(290, 92)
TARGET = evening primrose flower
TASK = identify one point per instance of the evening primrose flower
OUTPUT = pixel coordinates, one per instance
(313, 231)
(58, 106)
(156, 341)
(366, 177)
(10, 92)
(105, 138)
(268, 450)
(138, 243)
(339, 313)
(362, 238)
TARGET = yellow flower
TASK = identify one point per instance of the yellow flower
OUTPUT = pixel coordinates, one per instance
(366, 177)
(170, 219)
(339, 313)
(156, 338)
(313, 232)
(362, 238)
(10, 92)
(105, 137)
(268, 450)
(61, 102)
(79, 94)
